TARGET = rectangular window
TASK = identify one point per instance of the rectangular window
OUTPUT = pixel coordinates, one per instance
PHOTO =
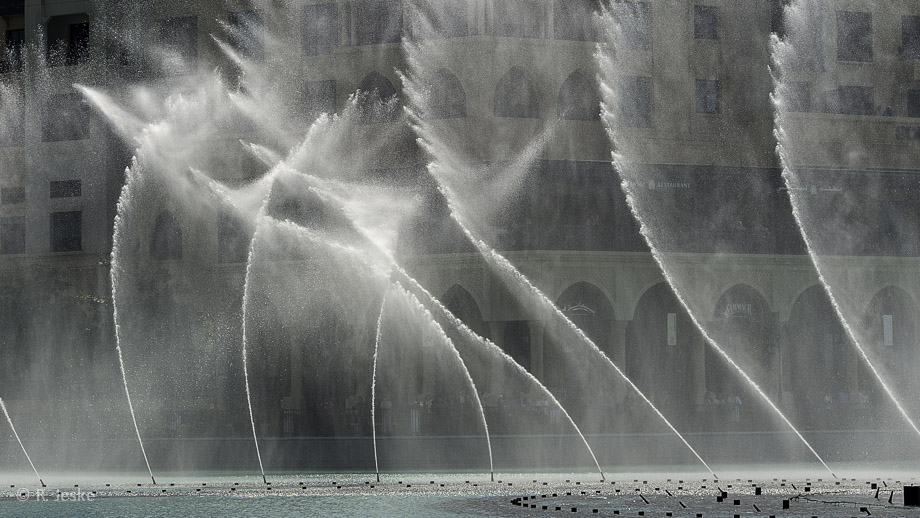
(378, 21)
(573, 20)
(705, 22)
(854, 36)
(518, 18)
(319, 98)
(12, 235)
(777, 17)
(440, 19)
(78, 43)
(12, 195)
(910, 37)
(246, 34)
(67, 39)
(66, 189)
(65, 117)
(635, 25)
(672, 328)
(888, 330)
(321, 29)
(67, 231)
(799, 97)
(12, 123)
(635, 109)
(14, 41)
(179, 36)
(707, 96)
(855, 100)
(913, 103)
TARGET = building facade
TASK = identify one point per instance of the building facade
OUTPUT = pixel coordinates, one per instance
(702, 120)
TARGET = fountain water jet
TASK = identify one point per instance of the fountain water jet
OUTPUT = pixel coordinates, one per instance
(122, 208)
(784, 54)
(356, 255)
(9, 421)
(418, 306)
(606, 60)
(383, 306)
(445, 169)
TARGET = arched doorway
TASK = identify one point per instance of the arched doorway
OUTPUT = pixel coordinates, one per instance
(589, 309)
(659, 351)
(822, 365)
(892, 338)
(743, 327)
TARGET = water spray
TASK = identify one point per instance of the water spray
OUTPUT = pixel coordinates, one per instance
(16, 435)
(383, 306)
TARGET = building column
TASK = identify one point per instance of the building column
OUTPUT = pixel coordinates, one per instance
(852, 369)
(294, 400)
(497, 336)
(784, 366)
(698, 347)
(616, 350)
(536, 348)
(497, 332)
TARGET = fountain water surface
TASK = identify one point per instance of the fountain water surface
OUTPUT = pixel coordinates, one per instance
(335, 233)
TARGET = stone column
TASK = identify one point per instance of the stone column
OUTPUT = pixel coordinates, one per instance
(698, 347)
(616, 350)
(784, 365)
(852, 369)
(497, 332)
(497, 336)
(294, 400)
(536, 348)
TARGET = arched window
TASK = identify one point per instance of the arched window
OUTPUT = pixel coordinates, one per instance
(463, 306)
(166, 242)
(578, 98)
(742, 325)
(447, 99)
(516, 96)
(379, 103)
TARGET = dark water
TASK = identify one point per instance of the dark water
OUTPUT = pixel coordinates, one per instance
(248, 507)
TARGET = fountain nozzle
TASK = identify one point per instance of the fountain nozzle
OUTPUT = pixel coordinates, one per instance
(493, 476)
(264, 480)
(378, 476)
(153, 479)
(42, 482)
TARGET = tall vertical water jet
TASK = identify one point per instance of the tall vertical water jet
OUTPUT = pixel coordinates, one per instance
(124, 202)
(9, 421)
(500, 355)
(831, 220)
(620, 109)
(442, 337)
(246, 287)
(377, 334)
